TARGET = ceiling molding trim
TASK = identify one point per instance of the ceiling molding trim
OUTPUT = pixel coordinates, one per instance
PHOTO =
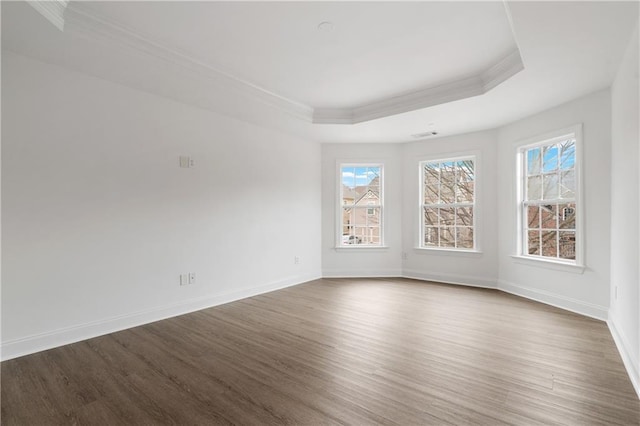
(502, 70)
(449, 92)
(464, 88)
(52, 10)
(333, 116)
(79, 20)
(424, 98)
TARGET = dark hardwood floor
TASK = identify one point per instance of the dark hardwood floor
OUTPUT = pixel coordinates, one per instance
(348, 351)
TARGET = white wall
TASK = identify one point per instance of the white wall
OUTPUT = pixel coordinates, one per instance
(624, 313)
(353, 261)
(467, 268)
(99, 221)
(587, 293)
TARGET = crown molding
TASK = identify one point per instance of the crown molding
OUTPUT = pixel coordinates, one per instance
(463, 88)
(52, 10)
(502, 70)
(424, 98)
(79, 20)
(76, 18)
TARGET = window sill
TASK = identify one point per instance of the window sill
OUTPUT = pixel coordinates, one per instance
(548, 264)
(361, 248)
(448, 252)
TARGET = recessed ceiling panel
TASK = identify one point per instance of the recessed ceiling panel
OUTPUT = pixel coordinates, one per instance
(371, 52)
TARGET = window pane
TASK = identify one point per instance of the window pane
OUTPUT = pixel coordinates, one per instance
(549, 216)
(348, 185)
(348, 196)
(533, 217)
(568, 154)
(431, 194)
(447, 193)
(567, 216)
(369, 197)
(447, 174)
(466, 171)
(359, 234)
(349, 177)
(567, 249)
(359, 216)
(431, 174)
(447, 236)
(373, 188)
(431, 236)
(430, 217)
(549, 243)
(447, 217)
(465, 237)
(372, 195)
(464, 192)
(550, 187)
(373, 176)
(369, 235)
(568, 184)
(464, 216)
(533, 161)
(362, 180)
(534, 188)
(373, 216)
(549, 158)
(533, 243)
(347, 221)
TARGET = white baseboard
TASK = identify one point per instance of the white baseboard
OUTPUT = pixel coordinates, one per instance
(361, 273)
(470, 281)
(623, 348)
(563, 302)
(40, 342)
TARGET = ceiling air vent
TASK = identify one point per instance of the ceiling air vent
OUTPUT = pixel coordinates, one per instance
(424, 135)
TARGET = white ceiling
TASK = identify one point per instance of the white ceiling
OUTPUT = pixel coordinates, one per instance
(375, 51)
(267, 62)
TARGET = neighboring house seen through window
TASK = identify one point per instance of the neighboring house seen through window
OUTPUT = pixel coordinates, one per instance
(549, 199)
(447, 203)
(361, 205)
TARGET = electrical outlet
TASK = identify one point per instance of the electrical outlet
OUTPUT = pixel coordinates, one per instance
(404, 255)
(192, 277)
(184, 279)
(187, 162)
(296, 260)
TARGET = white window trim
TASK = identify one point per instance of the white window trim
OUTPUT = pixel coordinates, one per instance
(443, 251)
(546, 262)
(339, 204)
(356, 247)
(477, 212)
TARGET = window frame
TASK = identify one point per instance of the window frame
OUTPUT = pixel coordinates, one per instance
(475, 157)
(521, 147)
(340, 206)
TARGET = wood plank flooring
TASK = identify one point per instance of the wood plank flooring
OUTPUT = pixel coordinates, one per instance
(336, 351)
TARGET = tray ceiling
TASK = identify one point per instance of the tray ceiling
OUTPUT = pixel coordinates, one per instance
(384, 71)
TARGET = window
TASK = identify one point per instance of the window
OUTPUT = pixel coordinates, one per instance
(549, 199)
(361, 205)
(448, 203)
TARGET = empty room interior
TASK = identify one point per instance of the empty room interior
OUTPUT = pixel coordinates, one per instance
(320, 213)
